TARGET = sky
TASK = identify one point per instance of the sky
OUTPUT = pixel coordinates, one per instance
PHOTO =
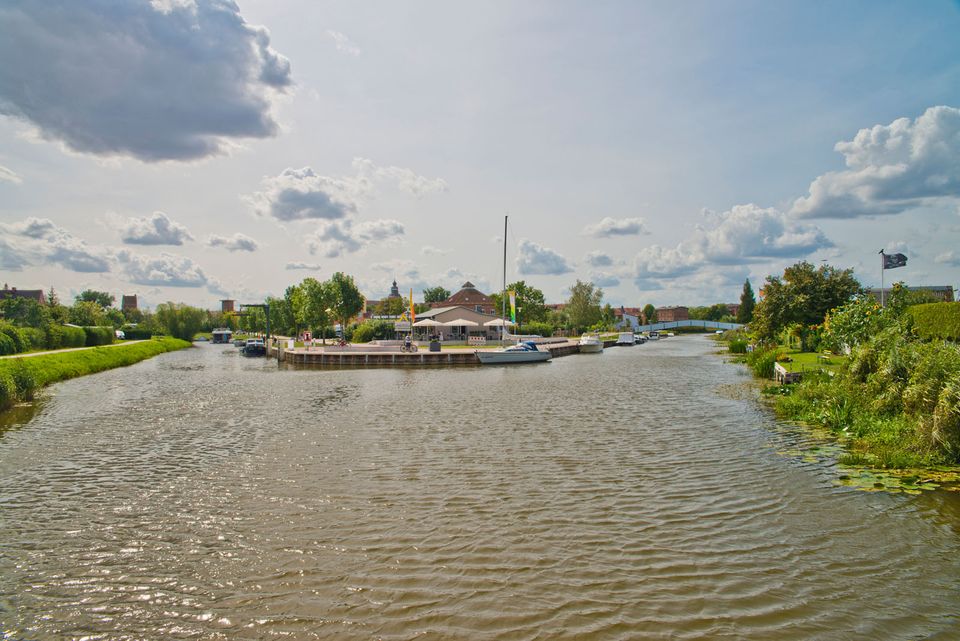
(196, 150)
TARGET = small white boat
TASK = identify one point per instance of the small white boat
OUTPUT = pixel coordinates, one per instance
(653, 336)
(626, 339)
(591, 344)
(254, 347)
(525, 352)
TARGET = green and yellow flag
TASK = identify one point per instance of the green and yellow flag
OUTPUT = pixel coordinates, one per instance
(513, 305)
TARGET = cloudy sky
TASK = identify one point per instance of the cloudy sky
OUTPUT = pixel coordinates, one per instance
(193, 150)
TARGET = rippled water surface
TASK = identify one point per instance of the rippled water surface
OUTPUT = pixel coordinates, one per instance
(628, 495)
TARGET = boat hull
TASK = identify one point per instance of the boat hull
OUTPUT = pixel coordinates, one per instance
(511, 358)
(591, 348)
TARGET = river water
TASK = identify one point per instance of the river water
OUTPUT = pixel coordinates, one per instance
(637, 494)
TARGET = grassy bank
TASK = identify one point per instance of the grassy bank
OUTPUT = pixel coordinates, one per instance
(20, 378)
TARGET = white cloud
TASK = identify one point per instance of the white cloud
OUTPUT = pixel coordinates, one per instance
(891, 168)
(533, 259)
(744, 234)
(429, 250)
(339, 237)
(613, 227)
(166, 270)
(38, 241)
(156, 81)
(604, 279)
(237, 242)
(599, 259)
(406, 179)
(9, 176)
(303, 194)
(343, 43)
(951, 258)
(158, 229)
(313, 267)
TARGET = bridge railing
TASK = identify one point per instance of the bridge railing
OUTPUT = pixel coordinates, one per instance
(688, 323)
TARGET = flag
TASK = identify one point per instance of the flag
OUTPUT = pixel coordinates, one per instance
(513, 306)
(413, 315)
(892, 261)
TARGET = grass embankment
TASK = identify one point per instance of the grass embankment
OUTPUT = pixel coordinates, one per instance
(895, 401)
(20, 378)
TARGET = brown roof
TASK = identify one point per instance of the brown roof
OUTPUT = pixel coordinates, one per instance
(13, 292)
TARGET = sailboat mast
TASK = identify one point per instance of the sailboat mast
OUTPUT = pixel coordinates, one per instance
(503, 292)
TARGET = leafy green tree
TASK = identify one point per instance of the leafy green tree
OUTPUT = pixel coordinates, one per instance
(649, 313)
(87, 313)
(391, 307)
(346, 299)
(103, 299)
(24, 312)
(317, 303)
(296, 300)
(435, 294)
(747, 304)
(530, 304)
(583, 306)
(804, 295)
(179, 320)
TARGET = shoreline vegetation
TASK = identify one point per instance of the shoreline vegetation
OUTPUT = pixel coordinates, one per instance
(21, 378)
(893, 401)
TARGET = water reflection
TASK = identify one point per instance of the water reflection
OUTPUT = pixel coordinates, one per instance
(626, 496)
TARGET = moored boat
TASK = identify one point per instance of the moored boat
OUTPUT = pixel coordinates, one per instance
(524, 352)
(254, 347)
(591, 344)
(626, 339)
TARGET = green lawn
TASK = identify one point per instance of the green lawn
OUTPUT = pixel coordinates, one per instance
(805, 361)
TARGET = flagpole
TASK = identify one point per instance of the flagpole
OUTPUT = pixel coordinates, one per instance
(881, 279)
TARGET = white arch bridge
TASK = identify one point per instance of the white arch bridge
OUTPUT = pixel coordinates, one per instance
(687, 323)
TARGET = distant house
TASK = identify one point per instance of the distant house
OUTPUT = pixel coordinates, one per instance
(669, 314)
(227, 306)
(128, 302)
(460, 332)
(628, 317)
(13, 292)
(470, 297)
(943, 293)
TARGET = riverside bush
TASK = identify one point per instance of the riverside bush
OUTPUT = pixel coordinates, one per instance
(936, 320)
(33, 338)
(8, 390)
(737, 346)
(62, 336)
(7, 345)
(98, 335)
(762, 361)
(136, 333)
(15, 335)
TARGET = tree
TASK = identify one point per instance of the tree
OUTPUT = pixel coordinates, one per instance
(435, 294)
(391, 307)
(87, 313)
(530, 304)
(803, 295)
(649, 313)
(583, 306)
(747, 303)
(317, 302)
(103, 299)
(346, 299)
(178, 320)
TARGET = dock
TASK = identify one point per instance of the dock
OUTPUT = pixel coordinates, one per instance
(379, 356)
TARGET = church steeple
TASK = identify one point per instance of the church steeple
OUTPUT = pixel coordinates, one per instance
(394, 291)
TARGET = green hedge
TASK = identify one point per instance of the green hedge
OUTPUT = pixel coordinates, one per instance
(7, 345)
(98, 336)
(60, 336)
(15, 336)
(34, 338)
(136, 333)
(936, 320)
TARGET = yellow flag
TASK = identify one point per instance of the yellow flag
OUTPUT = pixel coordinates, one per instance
(413, 315)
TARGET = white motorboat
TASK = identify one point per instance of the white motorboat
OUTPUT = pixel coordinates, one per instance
(591, 344)
(653, 336)
(626, 339)
(525, 352)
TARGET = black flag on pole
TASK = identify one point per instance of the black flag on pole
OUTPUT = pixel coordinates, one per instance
(892, 261)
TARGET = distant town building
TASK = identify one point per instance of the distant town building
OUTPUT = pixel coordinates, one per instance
(669, 314)
(128, 302)
(227, 306)
(628, 317)
(733, 308)
(470, 297)
(13, 292)
(394, 291)
(943, 293)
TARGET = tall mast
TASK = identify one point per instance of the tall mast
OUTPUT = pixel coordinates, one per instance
(503, 292)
